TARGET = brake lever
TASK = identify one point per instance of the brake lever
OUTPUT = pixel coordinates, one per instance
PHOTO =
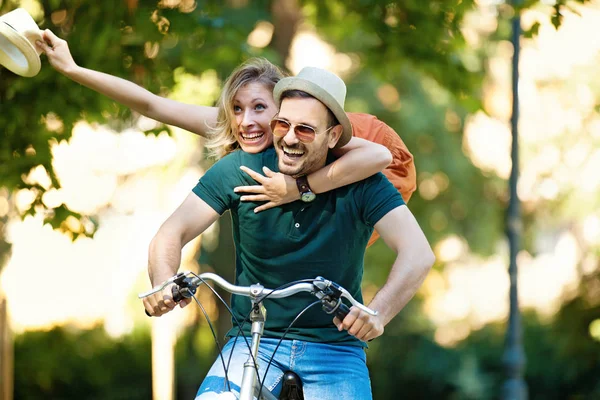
(327, 288)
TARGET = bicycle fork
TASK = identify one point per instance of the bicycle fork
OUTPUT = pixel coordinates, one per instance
(249, 377)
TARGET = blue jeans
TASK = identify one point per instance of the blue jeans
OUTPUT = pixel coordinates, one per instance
(328, 372)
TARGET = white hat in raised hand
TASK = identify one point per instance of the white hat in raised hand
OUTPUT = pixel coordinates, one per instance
(18, 34)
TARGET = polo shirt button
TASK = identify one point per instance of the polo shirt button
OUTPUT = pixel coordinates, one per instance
(297, 225)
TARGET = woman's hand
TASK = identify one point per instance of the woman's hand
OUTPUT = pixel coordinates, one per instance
(57, 51)
(275, 188)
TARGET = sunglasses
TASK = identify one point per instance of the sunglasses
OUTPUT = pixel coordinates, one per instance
(304, 133)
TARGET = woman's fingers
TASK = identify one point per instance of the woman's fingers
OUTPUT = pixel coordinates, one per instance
(253, 174)
(49, 35)
(50, 38)
(268, 172)
(265, 207)
(42, 46)
(254, 197)
(274, 187)
(259, 189)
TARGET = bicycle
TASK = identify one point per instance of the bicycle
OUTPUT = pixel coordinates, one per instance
(328, 293)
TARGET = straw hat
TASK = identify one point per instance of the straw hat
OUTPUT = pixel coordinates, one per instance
(326, 87)
(18, 34)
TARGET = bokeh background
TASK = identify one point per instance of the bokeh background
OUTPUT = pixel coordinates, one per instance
(85, 184)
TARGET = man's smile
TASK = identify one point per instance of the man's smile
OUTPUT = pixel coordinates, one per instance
(291, 152)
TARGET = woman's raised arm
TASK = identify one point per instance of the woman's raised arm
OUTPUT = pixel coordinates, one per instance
(193, 118)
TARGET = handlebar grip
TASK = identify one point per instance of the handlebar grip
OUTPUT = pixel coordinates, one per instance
(176, 293)
(177, 296)
(342, 311)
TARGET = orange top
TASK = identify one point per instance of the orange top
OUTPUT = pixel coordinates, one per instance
(401, 172)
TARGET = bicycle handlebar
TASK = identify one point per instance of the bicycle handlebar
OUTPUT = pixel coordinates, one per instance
(328, 292)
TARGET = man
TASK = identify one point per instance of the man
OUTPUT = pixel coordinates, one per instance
(324, 236)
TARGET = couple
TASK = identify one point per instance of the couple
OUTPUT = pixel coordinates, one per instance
(308, 235)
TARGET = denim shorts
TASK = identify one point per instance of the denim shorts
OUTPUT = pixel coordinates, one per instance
(327, 371)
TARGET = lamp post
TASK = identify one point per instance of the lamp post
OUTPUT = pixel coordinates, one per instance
(514, 387)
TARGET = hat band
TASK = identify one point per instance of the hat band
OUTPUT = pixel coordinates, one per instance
(13, 28)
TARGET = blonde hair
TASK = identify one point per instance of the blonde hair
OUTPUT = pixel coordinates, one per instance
(223, 137)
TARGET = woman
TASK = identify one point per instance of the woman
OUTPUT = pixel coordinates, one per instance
(241, 121)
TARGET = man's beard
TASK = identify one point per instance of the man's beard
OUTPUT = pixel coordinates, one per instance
(310, 161)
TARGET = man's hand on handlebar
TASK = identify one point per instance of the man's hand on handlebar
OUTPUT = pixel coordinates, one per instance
(162, 302)
(361, 325)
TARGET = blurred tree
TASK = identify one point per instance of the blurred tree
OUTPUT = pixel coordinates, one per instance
(67, 363)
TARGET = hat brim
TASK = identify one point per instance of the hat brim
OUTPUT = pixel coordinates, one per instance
(16, 52)
(294, 83)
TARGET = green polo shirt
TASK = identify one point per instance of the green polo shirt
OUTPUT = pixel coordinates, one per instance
(326, 237)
